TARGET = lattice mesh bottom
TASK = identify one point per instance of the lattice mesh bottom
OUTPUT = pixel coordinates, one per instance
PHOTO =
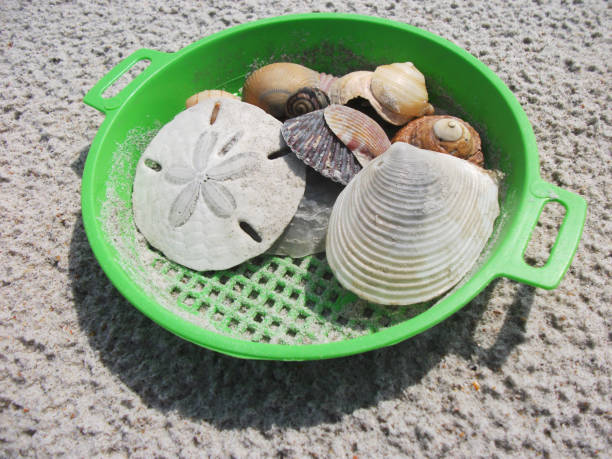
(278, 300)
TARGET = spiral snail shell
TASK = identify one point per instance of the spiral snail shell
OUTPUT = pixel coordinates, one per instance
(445, 134)
(270, 86)
(396, 91)
(400, 89)
(305, 100)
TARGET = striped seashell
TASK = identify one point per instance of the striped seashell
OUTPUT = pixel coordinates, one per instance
(270, 86)
(444, 133)
(410, 225)
(360, 133)
(208, 94)
(315, 144)
(305, 100)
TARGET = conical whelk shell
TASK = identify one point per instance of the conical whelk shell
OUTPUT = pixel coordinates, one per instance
(208, 94)
(270, 86)
(410, 225)
(446, 134)
(360, 133)
(400, 89)
(315, 144)
(305, 100)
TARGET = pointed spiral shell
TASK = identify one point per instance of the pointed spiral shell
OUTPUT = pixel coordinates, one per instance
(445, 134)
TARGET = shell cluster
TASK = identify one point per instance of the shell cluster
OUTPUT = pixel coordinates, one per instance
(336, 141)
(402, 220)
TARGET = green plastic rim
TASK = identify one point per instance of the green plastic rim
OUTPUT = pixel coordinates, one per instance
(481, 94)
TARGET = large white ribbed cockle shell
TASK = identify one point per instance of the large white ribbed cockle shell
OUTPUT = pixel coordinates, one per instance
(410, 225)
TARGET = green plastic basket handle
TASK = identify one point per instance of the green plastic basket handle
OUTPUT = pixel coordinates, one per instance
(94, 97)
(549, 276)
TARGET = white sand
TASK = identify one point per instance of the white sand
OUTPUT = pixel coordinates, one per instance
(518, 372)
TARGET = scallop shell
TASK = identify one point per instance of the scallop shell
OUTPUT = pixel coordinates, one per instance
(315, 144)
(305, 100)
(410, 225)
(360, 133)
(208, 94)
(213, 188)
(270, 86)
(446, 134)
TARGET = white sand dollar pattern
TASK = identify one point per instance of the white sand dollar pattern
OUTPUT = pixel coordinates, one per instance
(214, 188)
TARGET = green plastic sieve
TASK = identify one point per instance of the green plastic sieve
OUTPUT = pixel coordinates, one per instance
(294, 309)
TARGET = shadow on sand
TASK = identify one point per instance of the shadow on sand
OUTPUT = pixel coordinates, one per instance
(168, 373)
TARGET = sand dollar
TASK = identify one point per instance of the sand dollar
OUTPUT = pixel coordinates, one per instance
(216, 186)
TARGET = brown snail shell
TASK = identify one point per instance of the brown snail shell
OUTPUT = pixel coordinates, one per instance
(445, 134)
(397, 91)
(305, 100)
(312, 141)
(360, 133)
(270, 86)
(208, 94)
